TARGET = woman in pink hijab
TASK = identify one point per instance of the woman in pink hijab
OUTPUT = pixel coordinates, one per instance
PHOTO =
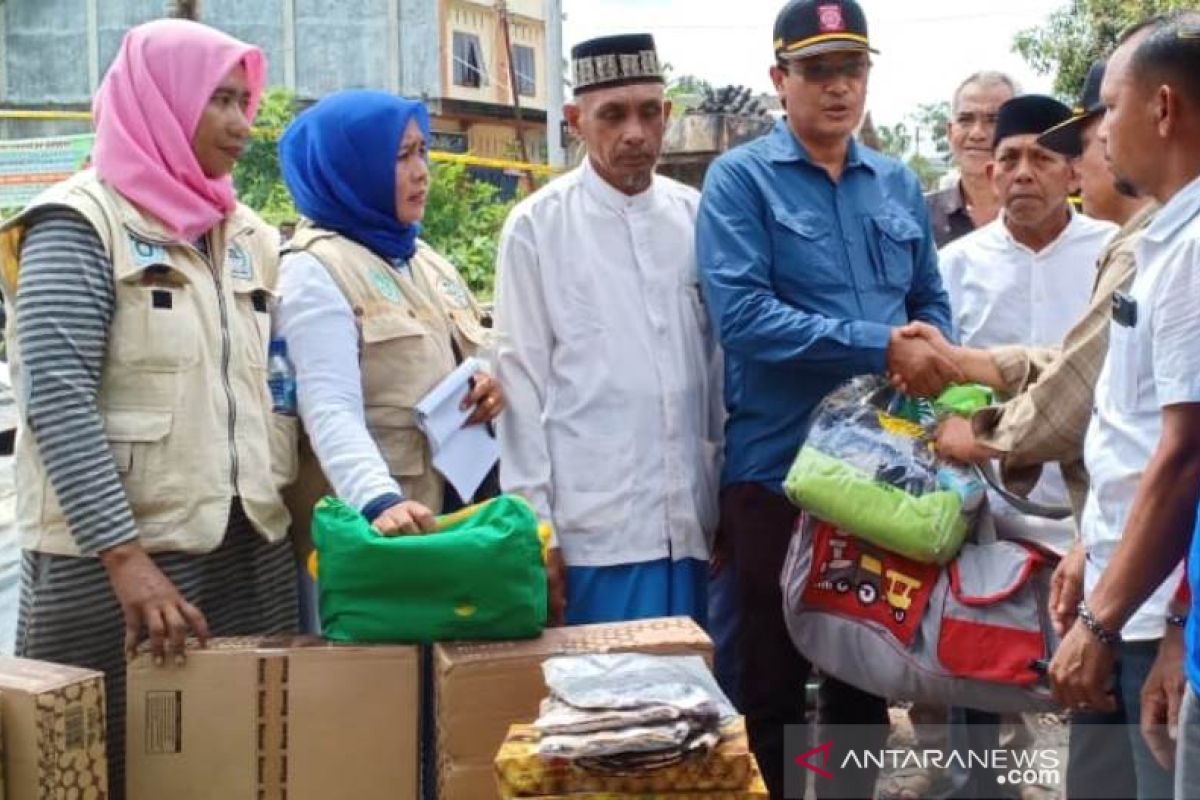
(147, 493)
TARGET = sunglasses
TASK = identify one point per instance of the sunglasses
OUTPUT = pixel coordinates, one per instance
(825, 71)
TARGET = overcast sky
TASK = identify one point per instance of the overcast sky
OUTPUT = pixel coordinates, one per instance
(927, 46)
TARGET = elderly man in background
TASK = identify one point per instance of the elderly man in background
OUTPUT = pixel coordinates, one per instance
(971, 201)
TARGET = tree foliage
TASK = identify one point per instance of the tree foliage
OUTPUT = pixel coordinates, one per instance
(257, 176)
(906, 141)
(463, 218)
(1081, 32)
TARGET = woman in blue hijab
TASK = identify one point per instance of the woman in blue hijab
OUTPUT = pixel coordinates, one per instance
(372, 317)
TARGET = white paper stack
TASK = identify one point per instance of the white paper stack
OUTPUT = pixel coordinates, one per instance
(463, 455)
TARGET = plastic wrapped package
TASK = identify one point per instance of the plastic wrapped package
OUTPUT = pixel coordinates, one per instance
(869, 467)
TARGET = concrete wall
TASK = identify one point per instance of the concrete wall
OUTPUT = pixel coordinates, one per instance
(54, 51)
(260, 23)
(45, 53)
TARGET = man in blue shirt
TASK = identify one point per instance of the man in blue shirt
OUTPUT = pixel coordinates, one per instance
(813, 252)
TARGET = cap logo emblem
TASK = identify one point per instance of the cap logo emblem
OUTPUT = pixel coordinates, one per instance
(830, 18)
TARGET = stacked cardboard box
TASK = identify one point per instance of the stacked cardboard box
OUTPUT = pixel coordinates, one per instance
(483, 688)
(53, 729)
(275, 719)
(729, 772)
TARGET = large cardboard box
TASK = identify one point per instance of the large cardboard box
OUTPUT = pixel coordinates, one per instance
(275, 719)
(484, 687)
(53, 729)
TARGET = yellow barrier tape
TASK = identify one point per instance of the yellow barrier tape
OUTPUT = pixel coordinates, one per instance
(274, 133)
(13, 113)
(493, 163)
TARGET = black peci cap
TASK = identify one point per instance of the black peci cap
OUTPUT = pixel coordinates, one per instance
(810, 27)
(615, 61)
(1067, 138)
(1029, 113)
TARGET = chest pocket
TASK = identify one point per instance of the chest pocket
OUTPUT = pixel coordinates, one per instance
(154, 325)
(893, 239)
(402, 358)
(252, 304)
(802, 249)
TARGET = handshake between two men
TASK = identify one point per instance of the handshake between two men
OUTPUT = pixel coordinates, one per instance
(922, 363)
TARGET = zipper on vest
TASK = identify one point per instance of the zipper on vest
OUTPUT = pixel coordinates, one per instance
(226, 343)
(226, 357)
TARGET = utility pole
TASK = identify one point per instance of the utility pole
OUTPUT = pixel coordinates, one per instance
(187, 9)
(555, 146)
(502, 10)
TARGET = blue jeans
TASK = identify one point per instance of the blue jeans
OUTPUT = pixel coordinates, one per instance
(1105, 764)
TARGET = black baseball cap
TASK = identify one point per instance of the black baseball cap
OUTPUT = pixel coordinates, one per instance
(1067, 138)
(811, 27)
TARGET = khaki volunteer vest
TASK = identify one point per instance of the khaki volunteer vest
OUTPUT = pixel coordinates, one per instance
(409, 330)
(183, 391)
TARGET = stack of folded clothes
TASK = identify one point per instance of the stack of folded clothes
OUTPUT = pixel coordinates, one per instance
(630, 726)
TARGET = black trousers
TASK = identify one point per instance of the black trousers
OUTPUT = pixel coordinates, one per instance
(758, 523)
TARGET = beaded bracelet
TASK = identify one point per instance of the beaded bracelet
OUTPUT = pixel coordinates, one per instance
(1094, 627)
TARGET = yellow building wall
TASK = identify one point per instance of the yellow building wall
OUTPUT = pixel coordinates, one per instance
(480, 18)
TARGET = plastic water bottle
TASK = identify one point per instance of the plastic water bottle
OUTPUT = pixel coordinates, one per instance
(281, 378)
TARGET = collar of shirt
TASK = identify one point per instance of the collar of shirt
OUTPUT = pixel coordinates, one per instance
(785, 147)
(1068, 232)
(1178, 211)
(951, 200)
(611, 197)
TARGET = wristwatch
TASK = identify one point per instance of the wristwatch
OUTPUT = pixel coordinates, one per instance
(1178, 620)
(1094, 627)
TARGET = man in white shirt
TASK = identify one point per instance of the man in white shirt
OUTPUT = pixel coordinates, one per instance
(613, 427)
(1026, 278)
(1143, 445)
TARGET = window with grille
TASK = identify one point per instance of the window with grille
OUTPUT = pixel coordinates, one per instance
(468, 61)
(525, 62)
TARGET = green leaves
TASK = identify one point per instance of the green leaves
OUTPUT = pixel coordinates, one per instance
(257, 176)
(463, 218)
(1080, 33)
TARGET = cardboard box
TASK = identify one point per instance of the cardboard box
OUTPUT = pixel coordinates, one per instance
(275, 719)
(522, 771)
(755, 790)
(53, 729)
(484, 687)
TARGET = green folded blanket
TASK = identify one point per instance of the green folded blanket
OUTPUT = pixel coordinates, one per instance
(929, 528)
(480, 576)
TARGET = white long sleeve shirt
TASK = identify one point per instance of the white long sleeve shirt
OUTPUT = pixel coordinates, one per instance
(612, 374)
(317, 322)
(1004, 293)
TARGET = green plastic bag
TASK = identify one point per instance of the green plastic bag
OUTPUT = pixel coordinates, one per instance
(868, 466)
(480, 576)
(963, 400)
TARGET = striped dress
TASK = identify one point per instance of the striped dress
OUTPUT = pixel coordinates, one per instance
(68, 611)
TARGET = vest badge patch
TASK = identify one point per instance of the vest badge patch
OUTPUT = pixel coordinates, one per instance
(239, 262)
(454, 293)
(146, 254)
(386, 286)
